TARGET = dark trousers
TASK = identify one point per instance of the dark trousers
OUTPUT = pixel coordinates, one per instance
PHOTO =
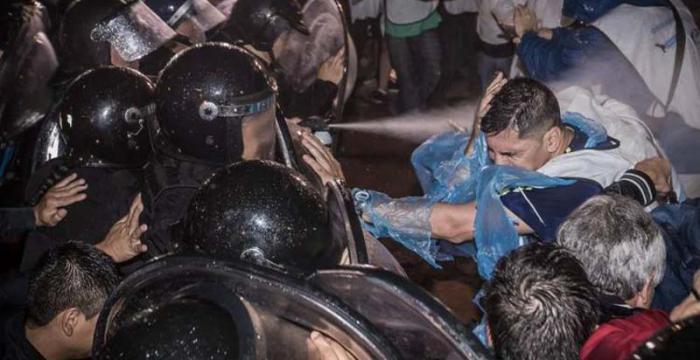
(458, 38)
(417, 63)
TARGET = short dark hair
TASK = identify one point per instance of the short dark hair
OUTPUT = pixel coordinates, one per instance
(526, 106)
(72, 275)
(539, 304)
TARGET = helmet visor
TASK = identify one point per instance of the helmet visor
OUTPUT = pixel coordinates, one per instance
(200, 12)
(134, 32)
(259, 135)
(225, 6)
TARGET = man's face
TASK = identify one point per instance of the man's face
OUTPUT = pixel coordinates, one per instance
(507, 148)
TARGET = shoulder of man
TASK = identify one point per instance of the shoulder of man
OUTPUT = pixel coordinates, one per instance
(543, 210)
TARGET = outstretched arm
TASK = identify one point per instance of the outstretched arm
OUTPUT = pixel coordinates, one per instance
(455, 222)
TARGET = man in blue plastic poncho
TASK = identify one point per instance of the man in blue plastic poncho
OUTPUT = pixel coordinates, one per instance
(546, 165)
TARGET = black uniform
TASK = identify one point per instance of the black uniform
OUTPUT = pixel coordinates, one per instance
(260, 23)
(16, 220)
(204, 98)
(167, 187)
(13, 341)
(102, 116)
(109, 196)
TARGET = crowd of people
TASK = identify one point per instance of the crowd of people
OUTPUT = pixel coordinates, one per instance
(176, 203)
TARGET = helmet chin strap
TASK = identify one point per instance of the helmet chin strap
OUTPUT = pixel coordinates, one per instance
(249, 105)
(257, 256)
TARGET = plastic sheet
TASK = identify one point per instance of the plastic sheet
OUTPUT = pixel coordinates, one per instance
(495, 234)
(459, 179)
(595, 131)
(433, 153)
(406, 220)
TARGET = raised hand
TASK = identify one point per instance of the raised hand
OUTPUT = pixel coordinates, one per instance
(123, 241)
(321, 160)
(50, 209)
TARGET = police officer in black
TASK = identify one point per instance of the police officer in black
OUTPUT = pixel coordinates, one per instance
(103, 118)
(266, 213)
(276, 31)
(215, 105)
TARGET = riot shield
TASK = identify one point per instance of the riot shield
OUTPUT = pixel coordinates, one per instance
(273, 312)
(50, 144)
(344, 224)
(417, 324)
(26, 68)
(362, 248)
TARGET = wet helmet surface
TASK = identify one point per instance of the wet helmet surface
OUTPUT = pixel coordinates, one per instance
(203, 97)
(103, 117)
(263, 212)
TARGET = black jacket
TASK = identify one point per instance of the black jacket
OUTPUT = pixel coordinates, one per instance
(109, 196)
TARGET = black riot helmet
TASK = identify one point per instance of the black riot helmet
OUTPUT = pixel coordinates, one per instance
(91, 29)
(103, 117)
(180, 329)
(27, 65)
(263, 212)
(260, 22)
(215, 104)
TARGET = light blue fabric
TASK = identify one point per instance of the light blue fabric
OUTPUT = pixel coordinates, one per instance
(459, 180)
(596, 132)
(7, 155)
(431, 154)
(495, 234)
(406, 220)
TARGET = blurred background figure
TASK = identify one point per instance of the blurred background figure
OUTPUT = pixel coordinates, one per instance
(414, 47)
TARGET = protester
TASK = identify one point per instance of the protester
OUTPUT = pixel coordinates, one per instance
(623, 253)
(414, 49)
(596, 51)
(458, 40)
(539, 305)
(555, 163)
(494, 27)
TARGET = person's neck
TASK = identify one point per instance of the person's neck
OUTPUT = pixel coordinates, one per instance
(44, 342)
(567, 135)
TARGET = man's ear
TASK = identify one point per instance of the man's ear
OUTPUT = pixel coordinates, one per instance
(647, 293)
(552, 139)
(69, 320)
(489, 338)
